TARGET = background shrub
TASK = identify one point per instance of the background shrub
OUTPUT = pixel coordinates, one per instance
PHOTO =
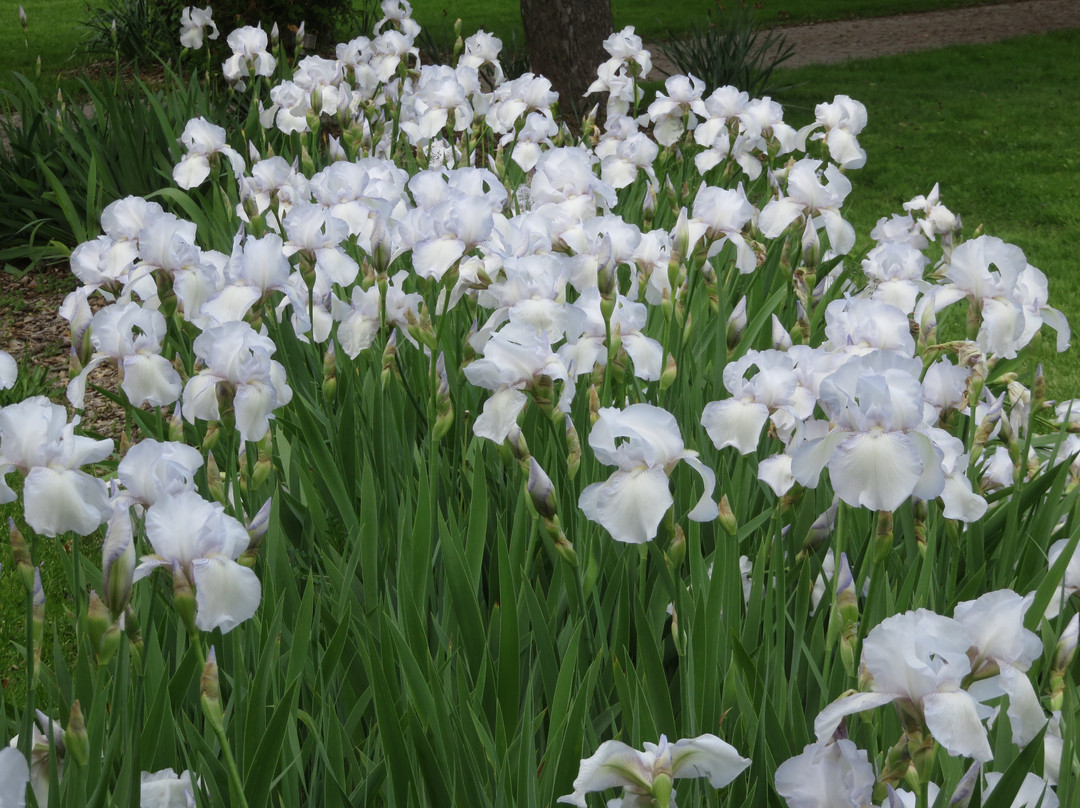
(730, 49)
(135, 31)
(320, 17)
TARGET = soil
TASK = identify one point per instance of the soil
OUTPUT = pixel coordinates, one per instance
(30, 326)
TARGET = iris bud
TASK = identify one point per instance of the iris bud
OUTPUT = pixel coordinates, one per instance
(210, 693)
(21, 552)
(183, 597)
(38, 622)
(676, 552)
(133, 632)
(1063, 657)
(661, 789)
(667, 376)
(573, 449)
(75, 737)
(563, 547)
(736, 324)
(104, 633)
(540, 489)
(727, 516)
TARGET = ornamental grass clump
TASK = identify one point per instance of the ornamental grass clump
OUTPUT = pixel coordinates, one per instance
(407, 365)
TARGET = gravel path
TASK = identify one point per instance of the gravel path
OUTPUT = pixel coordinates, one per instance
(840, 41)
(831, 42)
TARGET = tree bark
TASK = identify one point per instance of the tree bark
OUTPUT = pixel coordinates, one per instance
(565, 42)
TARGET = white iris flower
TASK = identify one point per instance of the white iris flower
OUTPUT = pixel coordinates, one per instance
(36, 439)
(918, 661)
(199, 540)
(876, 451)
(646, 776)
(644, 442)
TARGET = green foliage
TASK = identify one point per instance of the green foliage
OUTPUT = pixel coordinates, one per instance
(134, 31)
(730, 49)
(68, 159)
(324, 19)
(33, 380)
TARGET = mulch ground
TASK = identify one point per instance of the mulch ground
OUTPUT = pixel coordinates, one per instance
(31, 328)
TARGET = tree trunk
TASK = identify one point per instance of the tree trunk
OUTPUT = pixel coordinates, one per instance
(565, 41)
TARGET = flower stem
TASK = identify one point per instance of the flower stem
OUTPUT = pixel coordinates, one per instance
(26, 740)
(219, 730)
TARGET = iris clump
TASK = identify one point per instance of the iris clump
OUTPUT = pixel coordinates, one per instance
(402, 383)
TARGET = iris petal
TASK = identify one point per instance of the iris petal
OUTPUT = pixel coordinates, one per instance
(630, 504)
(226, 593)
(953, 720)
(876, 470)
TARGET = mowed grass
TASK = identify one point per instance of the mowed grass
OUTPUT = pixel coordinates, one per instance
(53, 33)
(995, 125)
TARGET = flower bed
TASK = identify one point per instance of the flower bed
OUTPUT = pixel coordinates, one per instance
(417, 364)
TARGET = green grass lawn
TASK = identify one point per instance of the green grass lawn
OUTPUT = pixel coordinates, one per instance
(995, 125)
(53, 33)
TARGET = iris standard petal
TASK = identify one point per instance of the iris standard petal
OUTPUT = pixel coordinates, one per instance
(230, 304)
(841, 232)
(165, 789)
(1002, 327)
(253, 405)
(775, 472)
(500, 414)
(200, 398)
(826, 775)
(810, 458)
(705, 510)
(960, 501)
(652, 431)
(76, 389)
(14, 776)
(1026, 714)
(150, 379)
(777, 215)
(735, 422)
(9, 370)
(1056, 320)
(191, 171)
(174, 524)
